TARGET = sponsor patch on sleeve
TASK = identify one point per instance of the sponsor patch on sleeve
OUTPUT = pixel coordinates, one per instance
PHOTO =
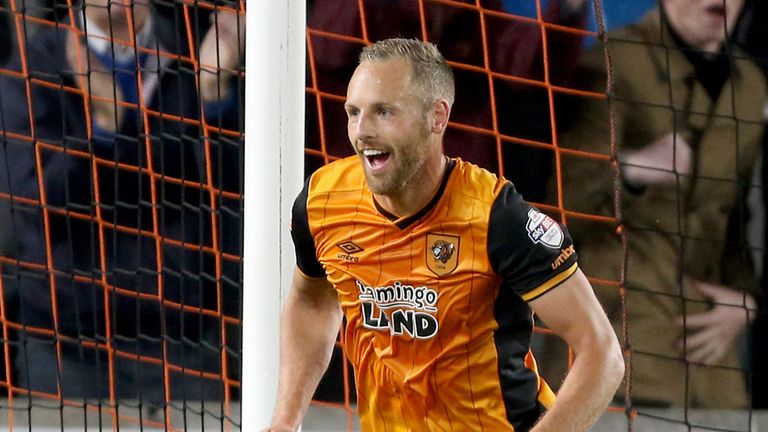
(543, 229)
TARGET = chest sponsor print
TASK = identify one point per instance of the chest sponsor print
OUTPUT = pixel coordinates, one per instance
(543, 229)
(399, 308)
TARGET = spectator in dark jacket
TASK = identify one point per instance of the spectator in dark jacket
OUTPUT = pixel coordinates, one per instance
(102, 170)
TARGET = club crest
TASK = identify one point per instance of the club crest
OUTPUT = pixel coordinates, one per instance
(442, 253)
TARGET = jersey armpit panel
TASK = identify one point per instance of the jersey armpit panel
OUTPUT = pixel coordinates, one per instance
(528, 249)
(303, 243)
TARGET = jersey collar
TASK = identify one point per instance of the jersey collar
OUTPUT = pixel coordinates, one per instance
(407, 221)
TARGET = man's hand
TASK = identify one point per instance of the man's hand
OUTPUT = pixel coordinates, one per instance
(659, 162)
(710, 335)
(100, 90)
(220, 54)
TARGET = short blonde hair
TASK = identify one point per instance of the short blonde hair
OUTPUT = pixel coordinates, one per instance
(429, 70)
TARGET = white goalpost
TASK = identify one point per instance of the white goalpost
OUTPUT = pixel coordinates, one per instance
(274, 154)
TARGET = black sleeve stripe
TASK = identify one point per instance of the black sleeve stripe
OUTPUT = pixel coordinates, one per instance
(552, 283)
(306, 257)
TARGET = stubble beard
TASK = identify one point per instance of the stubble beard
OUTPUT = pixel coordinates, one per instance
(405, 173)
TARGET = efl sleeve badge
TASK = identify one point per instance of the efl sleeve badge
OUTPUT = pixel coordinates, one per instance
(543, 229)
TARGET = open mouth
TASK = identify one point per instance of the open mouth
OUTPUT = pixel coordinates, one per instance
(375, 158)
(717, 10)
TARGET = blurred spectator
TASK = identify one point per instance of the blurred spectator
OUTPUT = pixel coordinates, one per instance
(19, 12)
(102, 191)
(514, 48)
(688, 124)
(752, 34)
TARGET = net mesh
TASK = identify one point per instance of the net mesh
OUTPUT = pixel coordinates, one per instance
(120, 185)
(514, 64)
(121, 195)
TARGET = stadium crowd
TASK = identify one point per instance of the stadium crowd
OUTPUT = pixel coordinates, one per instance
(684, 113)
(105, 121)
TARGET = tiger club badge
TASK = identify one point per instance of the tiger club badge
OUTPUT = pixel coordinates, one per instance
(442, 253)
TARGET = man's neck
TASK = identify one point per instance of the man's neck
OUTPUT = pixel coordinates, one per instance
(418, 192)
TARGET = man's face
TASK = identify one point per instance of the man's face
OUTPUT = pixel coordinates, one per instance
(387, 124)
(113, 14)
(703, 23)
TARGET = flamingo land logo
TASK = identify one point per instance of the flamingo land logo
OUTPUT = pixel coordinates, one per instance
(442, 253)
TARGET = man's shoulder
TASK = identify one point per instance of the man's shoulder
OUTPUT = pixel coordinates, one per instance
(629, 43)
(338, 176)
(45, 62)
(749, 73)
(46, 51)
(476, 182)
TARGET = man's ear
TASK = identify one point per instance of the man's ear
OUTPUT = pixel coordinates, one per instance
(441, 111)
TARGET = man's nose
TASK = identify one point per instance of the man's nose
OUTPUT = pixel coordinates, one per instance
(365, 127)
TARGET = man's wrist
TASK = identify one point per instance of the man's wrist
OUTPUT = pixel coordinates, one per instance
(285, 420)
(280, 428)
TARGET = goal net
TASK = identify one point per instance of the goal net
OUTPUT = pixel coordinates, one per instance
(121, 170)
(121, 130)
(521, 95)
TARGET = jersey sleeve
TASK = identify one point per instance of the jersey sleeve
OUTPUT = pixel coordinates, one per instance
(528, 249)
(306, 258)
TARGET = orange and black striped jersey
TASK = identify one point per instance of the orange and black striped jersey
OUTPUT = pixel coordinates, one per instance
(438, 328)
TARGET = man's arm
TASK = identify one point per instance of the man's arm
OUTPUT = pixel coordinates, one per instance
(308, 328)
(221, 53)
(573, 312)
